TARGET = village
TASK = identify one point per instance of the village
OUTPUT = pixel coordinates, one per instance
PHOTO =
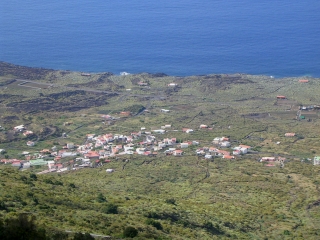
(100, 149)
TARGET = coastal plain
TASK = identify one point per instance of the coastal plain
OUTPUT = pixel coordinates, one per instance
(164, 196)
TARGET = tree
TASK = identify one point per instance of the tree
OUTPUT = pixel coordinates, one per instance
(130, 232)
(22, 227)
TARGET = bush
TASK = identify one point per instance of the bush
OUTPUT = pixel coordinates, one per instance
(130, 232)
(286, 232)
(171, 201)
(33, 177)
(101, 198)
(110, 209)
(154, 223)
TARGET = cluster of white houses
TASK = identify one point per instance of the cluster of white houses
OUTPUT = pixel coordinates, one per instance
(99, 149)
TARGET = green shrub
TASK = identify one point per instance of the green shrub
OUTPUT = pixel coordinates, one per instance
(154, 223)
(33, 177)
(171, 201)
(110, 209)
(101, 198)
(130, 232)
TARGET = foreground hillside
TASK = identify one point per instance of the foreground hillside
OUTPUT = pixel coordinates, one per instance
(193, 196)
(173, 198)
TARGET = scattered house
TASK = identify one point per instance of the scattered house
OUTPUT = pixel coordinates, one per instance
(245, 146)
(281, 97)
(162, 131)
(242, 149)
(110, 170)
(167, 126)
(307, 108)
(26, 165)
(125, 114)
(172, 84)
(57, 166)
(90, 136)
(164, 110)
(70, 145)
(50, 164)
(228, 157)
(27, 133)
(44, 151)
(86, 74)
(6, 161)
(212, 149)
(267, 159)
(108, 117)
(202, 126)
(19, 128)
(92, 155)
(2, 150)
(225, 144)
(177, 153)
(236, 152)
(184, 145)
(187, 130)
(141, 83)
(289, 134)
(222, 153)
(16, 163)
(303, 81)
(67, 123)
(208, 156)
(68, 154)
(169, 141)
(124, 73)
(30, 143)
(62, 169)
(127, 148)
(140, 151)
(316, 160)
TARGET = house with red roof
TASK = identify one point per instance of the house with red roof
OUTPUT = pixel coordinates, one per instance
(177, 152)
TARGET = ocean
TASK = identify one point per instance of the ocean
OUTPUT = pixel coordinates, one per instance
(182, 37)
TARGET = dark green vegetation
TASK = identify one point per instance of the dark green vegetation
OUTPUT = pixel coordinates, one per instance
(164, 197)
(240, 199)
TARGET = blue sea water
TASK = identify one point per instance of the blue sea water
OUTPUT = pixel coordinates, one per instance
(182, 37)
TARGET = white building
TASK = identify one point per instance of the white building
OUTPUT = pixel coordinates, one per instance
(165, 110)
(159, 131)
